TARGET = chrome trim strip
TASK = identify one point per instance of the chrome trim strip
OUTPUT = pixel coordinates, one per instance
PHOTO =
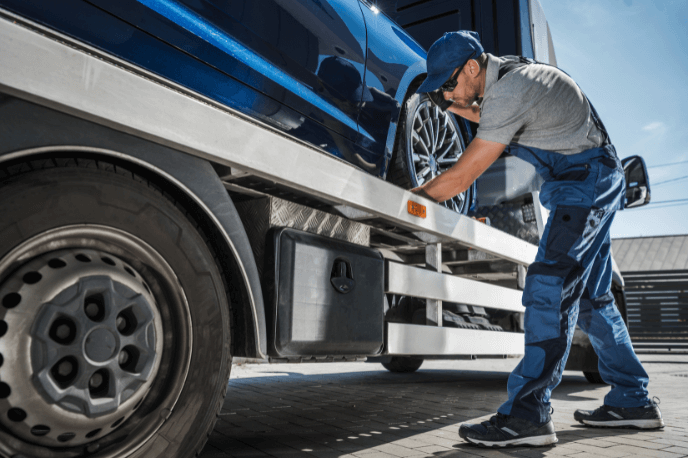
(414, 339)
(33, 151)
(413, 281)
(59, 75)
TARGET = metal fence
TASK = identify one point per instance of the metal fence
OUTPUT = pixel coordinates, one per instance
(657, 306)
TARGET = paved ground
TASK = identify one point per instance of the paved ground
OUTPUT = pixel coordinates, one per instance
(360, 410)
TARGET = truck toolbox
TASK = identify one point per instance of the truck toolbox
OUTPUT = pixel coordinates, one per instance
(328, 298)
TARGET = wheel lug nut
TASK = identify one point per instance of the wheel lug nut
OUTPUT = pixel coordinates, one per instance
(91, 309)
(96, 380)
(62, 332)
(121, 323)
(65, 368)
(123, 357)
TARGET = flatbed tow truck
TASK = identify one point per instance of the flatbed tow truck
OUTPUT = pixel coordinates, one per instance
(112, 347)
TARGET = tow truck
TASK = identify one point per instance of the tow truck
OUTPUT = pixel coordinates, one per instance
(150, 234)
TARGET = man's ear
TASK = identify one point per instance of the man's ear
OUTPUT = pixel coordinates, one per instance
(473, 67)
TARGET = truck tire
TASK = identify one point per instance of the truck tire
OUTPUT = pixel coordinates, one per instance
(593, 377)
(114, 329)
(509, 218)
(620, 302)
(428, 143)
(403, 364)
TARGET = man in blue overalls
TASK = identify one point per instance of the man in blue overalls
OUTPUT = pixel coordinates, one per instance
(538, 113)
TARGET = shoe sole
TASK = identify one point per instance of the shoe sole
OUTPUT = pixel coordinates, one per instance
(532, 441)
(656, 423)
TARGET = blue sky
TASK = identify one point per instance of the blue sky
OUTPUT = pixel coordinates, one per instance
(631, 59)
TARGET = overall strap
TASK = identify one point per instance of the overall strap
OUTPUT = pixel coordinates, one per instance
(512, 64)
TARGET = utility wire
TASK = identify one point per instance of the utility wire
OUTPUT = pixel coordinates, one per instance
(670, 181)
(652, 207)
(669, 201)
(666, 165)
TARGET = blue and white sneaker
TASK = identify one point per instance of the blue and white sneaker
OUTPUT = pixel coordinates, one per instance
(507, 431)
(646, 417)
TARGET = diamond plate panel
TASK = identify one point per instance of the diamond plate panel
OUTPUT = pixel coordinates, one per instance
(261, 215)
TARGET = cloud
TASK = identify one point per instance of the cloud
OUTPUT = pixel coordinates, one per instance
(655, 126)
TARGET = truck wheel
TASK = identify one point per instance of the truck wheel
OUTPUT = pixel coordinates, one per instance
(114, 324)
(403, 364)
(592, 360)
(429, 142)
(594, 377)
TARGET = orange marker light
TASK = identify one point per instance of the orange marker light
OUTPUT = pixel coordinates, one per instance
(417, 209)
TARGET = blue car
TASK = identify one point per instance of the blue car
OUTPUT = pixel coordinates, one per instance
(338, 74)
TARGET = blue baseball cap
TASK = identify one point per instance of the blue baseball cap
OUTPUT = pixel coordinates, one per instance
(452, 50)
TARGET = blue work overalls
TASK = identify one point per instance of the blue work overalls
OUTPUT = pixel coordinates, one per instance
(570, 282)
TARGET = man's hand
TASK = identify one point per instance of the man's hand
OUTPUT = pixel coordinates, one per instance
(437, 98)
(421, 192)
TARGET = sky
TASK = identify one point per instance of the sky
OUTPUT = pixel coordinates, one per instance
(630, 57)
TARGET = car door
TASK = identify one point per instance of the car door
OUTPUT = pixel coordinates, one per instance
(307, 55)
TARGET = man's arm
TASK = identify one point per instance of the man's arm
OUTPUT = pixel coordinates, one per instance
(479, 155)
(472, 113)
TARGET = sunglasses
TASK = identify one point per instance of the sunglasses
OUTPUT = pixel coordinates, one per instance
(453, 81)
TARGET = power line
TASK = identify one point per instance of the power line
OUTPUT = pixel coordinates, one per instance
(670, 181)
(669, 201)
(666, 165)
(652, 207)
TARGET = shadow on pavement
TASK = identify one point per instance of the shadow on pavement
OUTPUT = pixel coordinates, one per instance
(330, 415)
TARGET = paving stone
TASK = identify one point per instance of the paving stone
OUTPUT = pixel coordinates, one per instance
(596, 442)
(675, 442)
(358, 410)
(649, 453)
(630, 441)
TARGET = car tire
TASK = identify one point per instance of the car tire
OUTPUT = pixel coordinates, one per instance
(403, 364)
(592, 358)
(60, 212)
(428, 143)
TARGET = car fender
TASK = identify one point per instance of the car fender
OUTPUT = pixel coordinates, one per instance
(414, 74)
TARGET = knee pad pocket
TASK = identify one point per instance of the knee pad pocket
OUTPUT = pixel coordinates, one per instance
(542, 299)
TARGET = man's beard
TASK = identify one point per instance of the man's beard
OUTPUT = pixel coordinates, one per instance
(474, 98)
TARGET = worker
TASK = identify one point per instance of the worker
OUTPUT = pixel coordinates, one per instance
(537, 113)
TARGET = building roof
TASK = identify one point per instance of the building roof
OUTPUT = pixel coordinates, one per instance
(638, 254)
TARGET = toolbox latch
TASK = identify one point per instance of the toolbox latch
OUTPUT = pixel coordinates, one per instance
(342, 277)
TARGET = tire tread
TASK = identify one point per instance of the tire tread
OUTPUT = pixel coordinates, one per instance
(21, 168)
(403, 364)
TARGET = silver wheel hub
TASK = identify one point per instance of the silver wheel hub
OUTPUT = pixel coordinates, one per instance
(83, 336)
(435, 147)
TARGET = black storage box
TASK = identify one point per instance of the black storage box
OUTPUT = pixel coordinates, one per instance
(328, 297)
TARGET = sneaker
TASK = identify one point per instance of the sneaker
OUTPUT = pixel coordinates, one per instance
(507, 431)
(647, 417)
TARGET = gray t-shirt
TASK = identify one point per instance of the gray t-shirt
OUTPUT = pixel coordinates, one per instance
(536, 105)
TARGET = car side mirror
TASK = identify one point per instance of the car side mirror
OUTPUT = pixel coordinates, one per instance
(637, 182)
